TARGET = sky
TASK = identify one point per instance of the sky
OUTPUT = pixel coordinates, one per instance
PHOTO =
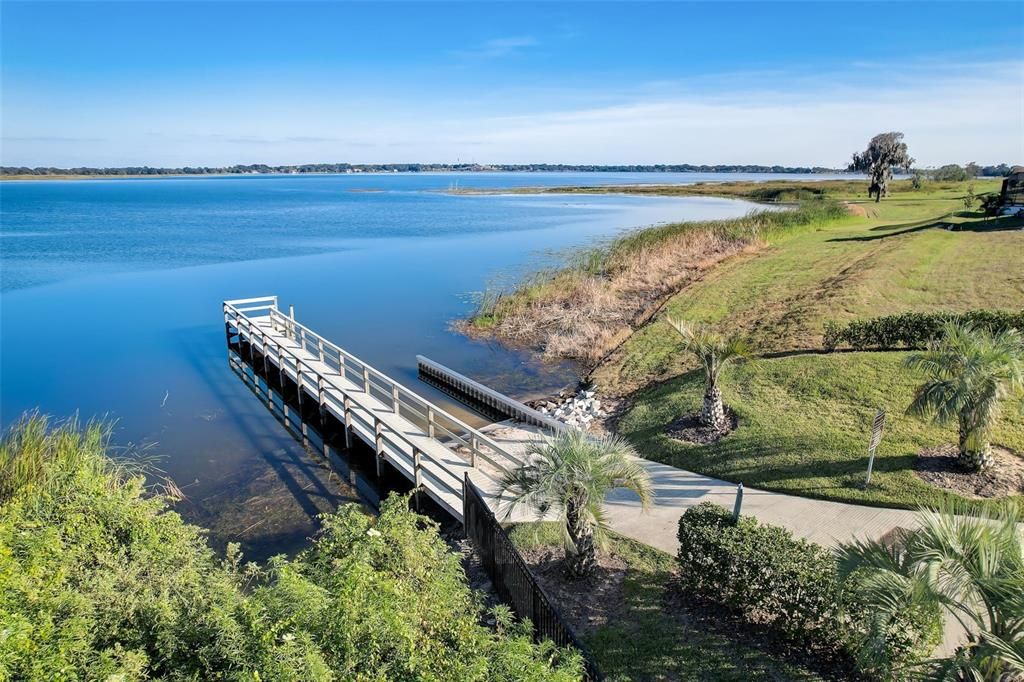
(804, 83)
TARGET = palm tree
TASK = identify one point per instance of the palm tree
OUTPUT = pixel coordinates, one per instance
(970, 566)
(970, 373)
(570, 474)
(715, 353)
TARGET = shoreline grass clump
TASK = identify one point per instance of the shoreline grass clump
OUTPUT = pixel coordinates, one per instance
(584, 309)
(100, 579)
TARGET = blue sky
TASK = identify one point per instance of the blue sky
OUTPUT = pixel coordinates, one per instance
(173, 83)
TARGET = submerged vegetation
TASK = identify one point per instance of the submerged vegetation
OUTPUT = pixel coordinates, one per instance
(99, 579)
(582, 311)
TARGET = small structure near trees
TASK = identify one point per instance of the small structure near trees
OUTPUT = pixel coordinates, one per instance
(1011, 196)
(885, 152)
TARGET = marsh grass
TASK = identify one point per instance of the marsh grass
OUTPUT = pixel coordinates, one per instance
(583, 309)
(36, 453)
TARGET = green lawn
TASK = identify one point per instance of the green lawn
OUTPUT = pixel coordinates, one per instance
(805, 416)
(804, 426)
(649, 641)
(780, 297)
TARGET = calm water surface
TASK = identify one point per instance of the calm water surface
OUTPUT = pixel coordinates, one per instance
(110, 297)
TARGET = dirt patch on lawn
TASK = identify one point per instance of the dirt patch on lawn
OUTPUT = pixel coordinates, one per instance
(589, 603)
(689, 429)
(940, 467)
(855, 209)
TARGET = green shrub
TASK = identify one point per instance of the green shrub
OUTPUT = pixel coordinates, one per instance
(791, 586)
(100, 580)
(913, 329)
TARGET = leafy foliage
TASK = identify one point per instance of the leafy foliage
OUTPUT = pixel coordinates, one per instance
(714, 352)
(789, 585)
(970, 566)
(99, 580)
(570, 474)
(885, 151)
(914, 329)
(970, 374)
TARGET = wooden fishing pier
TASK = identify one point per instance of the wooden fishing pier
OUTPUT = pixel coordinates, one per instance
(434, 449)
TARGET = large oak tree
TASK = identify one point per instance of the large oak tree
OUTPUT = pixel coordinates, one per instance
(885, 152)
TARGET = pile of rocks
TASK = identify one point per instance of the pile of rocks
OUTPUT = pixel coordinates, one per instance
(578, 409)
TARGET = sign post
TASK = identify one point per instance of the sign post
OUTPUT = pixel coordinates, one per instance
(877, 426)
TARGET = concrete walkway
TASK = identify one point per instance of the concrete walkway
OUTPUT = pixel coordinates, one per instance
(826, 523)
(675, 490)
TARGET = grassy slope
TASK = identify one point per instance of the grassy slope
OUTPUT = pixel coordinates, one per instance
(782, 296)
(804, 418)
(647, 642)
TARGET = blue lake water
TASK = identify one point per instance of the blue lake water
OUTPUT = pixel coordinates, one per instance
(110, 296)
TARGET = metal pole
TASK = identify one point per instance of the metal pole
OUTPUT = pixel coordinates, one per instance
(739, 504)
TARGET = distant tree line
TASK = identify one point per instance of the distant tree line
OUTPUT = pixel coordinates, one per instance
(952, 171)
(411, 168)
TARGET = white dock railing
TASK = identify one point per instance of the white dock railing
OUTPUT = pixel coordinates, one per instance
(418, 437)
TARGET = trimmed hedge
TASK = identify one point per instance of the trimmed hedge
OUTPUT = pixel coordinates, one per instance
(913, 330)
(792, 587)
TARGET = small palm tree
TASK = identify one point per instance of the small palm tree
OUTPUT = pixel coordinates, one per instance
(570, 474)
(971, 567)
(970, 373)
(715, 353)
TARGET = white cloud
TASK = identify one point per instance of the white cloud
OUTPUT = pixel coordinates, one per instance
(956, 113)
(498, 47)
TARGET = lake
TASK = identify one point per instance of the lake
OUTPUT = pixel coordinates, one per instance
(111, 293)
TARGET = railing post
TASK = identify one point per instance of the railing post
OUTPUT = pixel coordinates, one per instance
(465, 505)
(321, 400)
(348, 422)
(430, 422)
(280, 366)
(366, 380)
(474, 445)
(394, 399)
(378, 439)
(320, 348)
(298, 382)
(416, 468)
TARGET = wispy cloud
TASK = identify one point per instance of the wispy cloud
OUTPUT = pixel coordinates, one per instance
(498, 47)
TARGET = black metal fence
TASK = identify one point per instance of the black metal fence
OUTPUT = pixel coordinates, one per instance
(512, 579)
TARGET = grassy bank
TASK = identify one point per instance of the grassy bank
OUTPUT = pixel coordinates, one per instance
(768, 191)
(804, 416)
(636, 632)
(583, 310)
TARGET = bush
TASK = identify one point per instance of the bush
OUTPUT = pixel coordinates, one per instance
(791, 586)
(913, 330)
(100, 580)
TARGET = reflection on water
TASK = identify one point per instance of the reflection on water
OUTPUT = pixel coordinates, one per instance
(273, 508)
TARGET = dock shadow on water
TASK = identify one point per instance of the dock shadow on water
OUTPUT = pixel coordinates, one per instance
(276, 509)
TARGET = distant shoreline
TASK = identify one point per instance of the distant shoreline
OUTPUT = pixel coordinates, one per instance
(53, 173)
